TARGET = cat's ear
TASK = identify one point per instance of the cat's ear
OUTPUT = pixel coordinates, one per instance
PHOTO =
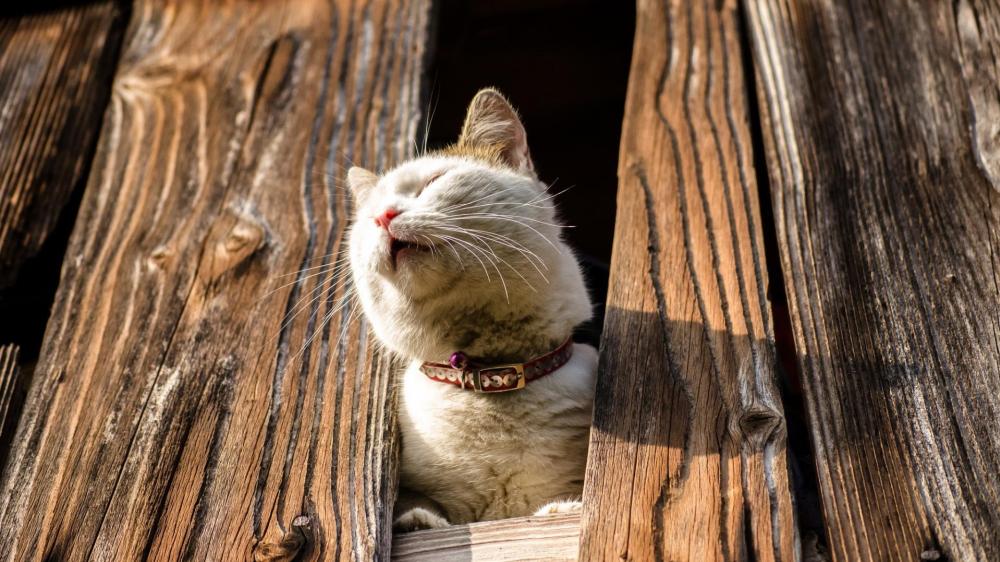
(361, 182)
(491, 123)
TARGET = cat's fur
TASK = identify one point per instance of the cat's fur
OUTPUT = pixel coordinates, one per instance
(477, 456)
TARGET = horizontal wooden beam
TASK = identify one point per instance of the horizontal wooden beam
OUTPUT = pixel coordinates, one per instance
(552, 538)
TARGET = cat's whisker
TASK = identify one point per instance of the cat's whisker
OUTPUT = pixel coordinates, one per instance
(338, 272)
(505, 262)
(427, 126)
(353, 316)
(338, 261)
(491, 205)
(474, 254)
(347, 317)
(540, 198)
(514, 220)
(493, 262)
(338, 280)
(547, 196)
(452, 247)
(317, 329)
(498, 215)
(511, 243)
(514, 245)
(527, 253)
(457, 206)
(303, 306)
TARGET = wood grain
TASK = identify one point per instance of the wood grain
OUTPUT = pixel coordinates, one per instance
(880, 123)
(687, 454)
(55, 78)
(9, 372)
(172, 413)
(552, 538)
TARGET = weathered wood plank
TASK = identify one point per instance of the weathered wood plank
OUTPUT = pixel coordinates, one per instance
(553, 538)
(55, 77)
(172, 414)
(687, 454)
(880, 123)
(9, 371)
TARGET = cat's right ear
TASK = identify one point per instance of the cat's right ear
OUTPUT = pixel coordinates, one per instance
(491, 122)
(361, 182)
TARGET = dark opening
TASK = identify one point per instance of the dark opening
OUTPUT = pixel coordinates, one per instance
(564, 65)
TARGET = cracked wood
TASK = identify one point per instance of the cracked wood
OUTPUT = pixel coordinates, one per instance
(173, 414)
(881, 127)
(687, 454)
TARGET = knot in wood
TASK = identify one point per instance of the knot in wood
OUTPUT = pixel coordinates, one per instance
(159, 257)
(236, 238)
(758, 423)
(244, 234)
(289, 546)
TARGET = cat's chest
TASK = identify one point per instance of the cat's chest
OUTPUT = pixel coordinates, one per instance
(496, 456)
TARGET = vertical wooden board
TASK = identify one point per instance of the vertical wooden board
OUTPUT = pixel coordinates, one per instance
(687, 454)
(880, 122)
(173, 413)
(55, 76)
(9, 371)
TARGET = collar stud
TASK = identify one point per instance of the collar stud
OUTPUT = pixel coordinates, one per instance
(458, 360)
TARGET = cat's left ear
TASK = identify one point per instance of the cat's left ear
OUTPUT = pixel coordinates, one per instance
(492, 123)
(361, 182)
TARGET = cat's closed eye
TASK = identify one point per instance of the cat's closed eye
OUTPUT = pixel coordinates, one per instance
(421, 187)
(434, 178)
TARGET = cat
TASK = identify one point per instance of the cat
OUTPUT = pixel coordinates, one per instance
(459, 253)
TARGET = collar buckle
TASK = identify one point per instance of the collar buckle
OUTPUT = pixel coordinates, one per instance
(500, 381)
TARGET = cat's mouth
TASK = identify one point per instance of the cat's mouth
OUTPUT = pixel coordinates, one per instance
(399, 247)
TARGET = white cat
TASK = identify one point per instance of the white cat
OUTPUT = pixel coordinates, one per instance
(461, 251)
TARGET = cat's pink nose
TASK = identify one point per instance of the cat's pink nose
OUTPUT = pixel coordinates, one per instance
(386, 217)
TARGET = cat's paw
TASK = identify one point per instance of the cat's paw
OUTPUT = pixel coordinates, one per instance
(419, 518)
(553, 508)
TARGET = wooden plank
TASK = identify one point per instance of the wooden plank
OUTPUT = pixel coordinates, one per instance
(9, 372)
(687, 454)
(552, 538)
(880, 124)
(172, 414)
(55, 78)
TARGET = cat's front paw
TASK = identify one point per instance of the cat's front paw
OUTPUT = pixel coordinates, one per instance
(553, 508)
(419, 518)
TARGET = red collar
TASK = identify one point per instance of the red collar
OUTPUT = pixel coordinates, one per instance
(468, 375)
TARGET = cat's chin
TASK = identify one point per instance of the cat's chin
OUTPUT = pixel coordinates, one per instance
(416, 275)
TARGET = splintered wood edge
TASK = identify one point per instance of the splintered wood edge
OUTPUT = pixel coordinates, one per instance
(553, 537)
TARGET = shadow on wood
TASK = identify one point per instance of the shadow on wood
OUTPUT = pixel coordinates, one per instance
(687, 455)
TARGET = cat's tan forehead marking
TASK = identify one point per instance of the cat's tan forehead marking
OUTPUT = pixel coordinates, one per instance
(491, 154)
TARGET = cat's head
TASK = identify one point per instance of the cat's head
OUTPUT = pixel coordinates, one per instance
(468, 229)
